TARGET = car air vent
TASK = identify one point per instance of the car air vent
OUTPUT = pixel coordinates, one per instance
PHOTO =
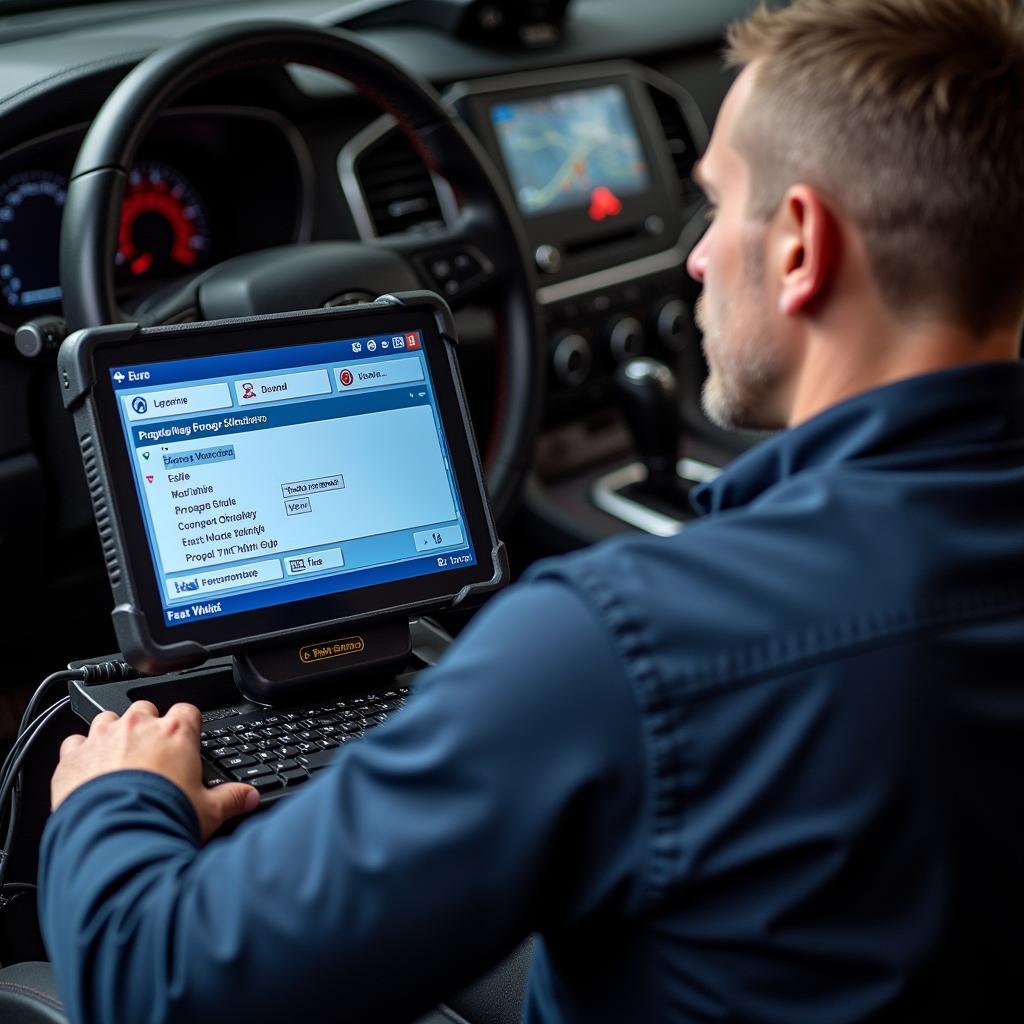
(399, 191)
(680, 145)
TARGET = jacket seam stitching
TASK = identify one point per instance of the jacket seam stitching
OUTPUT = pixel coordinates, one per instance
(665, 750)
(866, 634)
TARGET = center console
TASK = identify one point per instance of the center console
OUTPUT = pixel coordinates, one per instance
(599, 161)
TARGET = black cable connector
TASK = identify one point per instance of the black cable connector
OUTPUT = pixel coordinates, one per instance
(107, 672)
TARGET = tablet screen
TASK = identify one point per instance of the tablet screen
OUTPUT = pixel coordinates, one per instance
(273, 476)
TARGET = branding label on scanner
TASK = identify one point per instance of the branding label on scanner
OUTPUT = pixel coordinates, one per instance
(331, 649)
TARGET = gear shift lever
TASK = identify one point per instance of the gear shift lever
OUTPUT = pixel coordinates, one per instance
(650, 402)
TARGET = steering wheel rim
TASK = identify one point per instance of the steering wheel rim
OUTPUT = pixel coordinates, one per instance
(91, 217)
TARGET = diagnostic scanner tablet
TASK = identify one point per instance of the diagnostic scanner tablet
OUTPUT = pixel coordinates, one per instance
(262, 480)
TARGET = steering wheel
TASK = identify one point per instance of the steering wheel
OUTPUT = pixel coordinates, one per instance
(304, 276)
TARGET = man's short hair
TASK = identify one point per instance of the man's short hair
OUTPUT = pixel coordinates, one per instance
(908, 116)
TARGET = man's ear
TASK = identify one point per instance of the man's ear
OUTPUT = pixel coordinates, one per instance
(808, 249)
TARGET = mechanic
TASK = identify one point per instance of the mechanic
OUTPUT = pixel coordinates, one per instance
(764, 771)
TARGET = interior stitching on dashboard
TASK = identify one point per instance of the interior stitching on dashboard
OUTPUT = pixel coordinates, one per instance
(76, 71)
(44, 997)
(380, 100)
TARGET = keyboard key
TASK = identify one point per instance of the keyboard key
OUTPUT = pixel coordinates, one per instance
(309, 735)
(328, 744)
(212, 775)
(272, 732)
(253, 772)
(326, 720)
(265, 755)
(246, 748)
(218, 752)
(319, 759)
(241, 761)
(286, 751)
(352, 727)
(284, 766)
(294, 777)
(266, 783)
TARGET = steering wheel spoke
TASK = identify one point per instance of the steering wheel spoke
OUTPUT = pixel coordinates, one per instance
(458, 263)
(176, 304)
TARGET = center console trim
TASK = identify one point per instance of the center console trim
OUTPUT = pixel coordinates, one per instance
(606, 495)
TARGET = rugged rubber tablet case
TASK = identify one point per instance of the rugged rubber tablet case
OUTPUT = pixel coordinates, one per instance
(78, 380)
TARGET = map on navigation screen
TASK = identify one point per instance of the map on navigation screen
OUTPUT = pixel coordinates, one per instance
(574, 149)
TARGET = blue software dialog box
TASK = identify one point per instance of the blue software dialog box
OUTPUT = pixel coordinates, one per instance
(273, 476)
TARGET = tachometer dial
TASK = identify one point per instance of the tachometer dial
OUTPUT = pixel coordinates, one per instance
(31, 205)
(164, 227)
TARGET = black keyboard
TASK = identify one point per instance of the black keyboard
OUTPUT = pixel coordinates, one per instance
(276, 750)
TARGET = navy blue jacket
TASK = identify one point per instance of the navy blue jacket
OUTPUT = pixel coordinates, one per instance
(766, 771)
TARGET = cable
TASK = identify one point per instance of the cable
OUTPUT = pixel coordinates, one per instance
(16, 756)
(65, 676)
(31, 726)
(9, 777)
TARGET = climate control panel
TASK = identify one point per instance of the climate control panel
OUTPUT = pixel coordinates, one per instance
(591, 334)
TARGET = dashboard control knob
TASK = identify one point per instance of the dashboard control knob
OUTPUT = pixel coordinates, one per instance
(44, 334)
(548, 258)
(675, 325)
(572, 359)
(654, 225)
(626, 338)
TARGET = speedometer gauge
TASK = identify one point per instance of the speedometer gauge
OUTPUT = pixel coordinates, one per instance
(164, 228)
(31, 204)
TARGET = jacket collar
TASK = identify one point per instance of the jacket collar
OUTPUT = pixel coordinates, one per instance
(979, 403)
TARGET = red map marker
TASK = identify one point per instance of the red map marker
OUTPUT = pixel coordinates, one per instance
(604, 203)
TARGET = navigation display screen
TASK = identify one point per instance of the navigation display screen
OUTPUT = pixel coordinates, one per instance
(573, 149)
(272, 476)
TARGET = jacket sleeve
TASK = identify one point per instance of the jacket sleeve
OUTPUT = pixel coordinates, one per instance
(508, 796)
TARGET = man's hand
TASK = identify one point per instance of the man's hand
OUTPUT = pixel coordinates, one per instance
(141, 739)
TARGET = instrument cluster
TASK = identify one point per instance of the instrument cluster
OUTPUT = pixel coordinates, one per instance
(199, 193)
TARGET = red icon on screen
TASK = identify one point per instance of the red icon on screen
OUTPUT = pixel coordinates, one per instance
(604, 203)
(346, 377)
(248, 391)
(412, 341)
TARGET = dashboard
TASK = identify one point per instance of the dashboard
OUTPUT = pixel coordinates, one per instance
(184, 209)
(596, 137)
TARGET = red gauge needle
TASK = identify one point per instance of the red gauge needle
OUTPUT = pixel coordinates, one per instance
(142, 263)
